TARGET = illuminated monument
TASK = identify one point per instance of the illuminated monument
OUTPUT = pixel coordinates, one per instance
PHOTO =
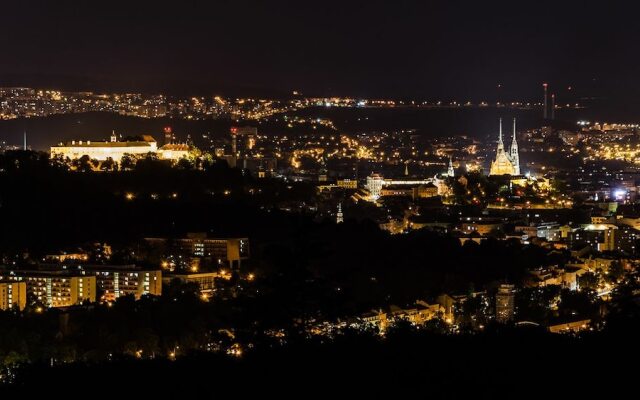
(506, 163)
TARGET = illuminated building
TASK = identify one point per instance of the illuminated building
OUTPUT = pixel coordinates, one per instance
(554, 276)
(606, 237)
(377, 319)
(56, 288)
(212, 250)
(374, 185)
(415, 192)
(379, 187)
(549, 231)
(396, 191)
(121, 280)
(407, 182)
(339, 215)
(64, 285)
(424, 191)
(101, 151)
(12, 294)
(175, 151)
(417, 315)
(505, 303)
(506, 163)
(347, 183)
(65, 257)
(570, 327)
(482, 226)
(442, 186)
(204, 280)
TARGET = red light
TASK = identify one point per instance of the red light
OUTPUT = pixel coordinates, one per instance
(167, 129)
(545, 85)
(234, 130)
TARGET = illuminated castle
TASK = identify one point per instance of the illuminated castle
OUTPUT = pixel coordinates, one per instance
(506, 163)
(101, 150)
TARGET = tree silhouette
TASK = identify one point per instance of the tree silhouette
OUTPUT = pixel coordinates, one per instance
(108, 164)
(127, 162)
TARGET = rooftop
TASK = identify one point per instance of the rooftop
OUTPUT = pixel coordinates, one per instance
(144, 140)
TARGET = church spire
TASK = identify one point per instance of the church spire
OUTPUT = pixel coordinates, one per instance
(513, 151)
(451, 172)
(500, 143)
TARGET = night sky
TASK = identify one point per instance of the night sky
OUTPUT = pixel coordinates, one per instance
(416, 49)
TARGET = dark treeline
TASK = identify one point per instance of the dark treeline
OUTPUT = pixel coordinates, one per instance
(44, 207)
(362, 266)
(497, 364)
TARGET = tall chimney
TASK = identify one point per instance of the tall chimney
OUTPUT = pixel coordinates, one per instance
(553, 106)
(544, 112)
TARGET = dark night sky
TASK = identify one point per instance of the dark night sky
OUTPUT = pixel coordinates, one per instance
(421, 49)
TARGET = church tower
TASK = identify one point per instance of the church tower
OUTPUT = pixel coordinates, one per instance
(515, 157)
(503, 164)
(451, 172)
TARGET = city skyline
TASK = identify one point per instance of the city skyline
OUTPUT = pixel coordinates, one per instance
(437, 199)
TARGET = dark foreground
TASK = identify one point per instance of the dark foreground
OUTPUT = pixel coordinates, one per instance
(518, 364)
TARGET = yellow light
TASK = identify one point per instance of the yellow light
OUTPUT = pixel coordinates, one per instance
(129, 196)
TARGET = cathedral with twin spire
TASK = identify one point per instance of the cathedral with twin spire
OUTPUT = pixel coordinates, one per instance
(506, 162)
